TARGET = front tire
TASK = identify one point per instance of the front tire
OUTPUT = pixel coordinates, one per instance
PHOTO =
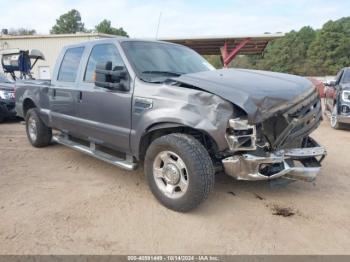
(179, 171)
(334, 118)
(39, 135)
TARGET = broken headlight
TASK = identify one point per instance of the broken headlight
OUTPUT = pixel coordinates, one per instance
(240, 135)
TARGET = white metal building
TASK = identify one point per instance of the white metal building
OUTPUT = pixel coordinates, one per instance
(49, 45)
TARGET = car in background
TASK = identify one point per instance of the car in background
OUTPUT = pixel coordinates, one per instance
(7, 98)
(337, 99)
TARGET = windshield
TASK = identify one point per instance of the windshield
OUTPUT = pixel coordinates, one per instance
(155, 62)
(4, 79)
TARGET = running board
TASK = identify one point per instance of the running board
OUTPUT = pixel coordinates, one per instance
(123, 163)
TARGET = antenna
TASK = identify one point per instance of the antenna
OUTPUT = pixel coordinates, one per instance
(160, 16)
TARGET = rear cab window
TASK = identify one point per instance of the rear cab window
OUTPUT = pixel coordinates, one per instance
(70, 64)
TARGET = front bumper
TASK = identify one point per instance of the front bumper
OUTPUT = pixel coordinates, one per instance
(295, 164)
(7, 108)
(344, 119)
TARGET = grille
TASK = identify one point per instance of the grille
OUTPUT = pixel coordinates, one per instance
(291, 127)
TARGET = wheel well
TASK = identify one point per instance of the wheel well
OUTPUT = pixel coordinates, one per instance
(27, 104)
(206, 140)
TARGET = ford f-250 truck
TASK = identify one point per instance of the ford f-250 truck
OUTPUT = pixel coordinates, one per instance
(129, 101)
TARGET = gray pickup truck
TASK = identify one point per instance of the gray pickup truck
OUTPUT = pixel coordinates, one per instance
(129, 101)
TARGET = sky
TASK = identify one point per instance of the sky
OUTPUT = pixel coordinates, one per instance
(179, 18)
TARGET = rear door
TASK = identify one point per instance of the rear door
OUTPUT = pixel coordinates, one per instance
(63, 93)
(105, 115)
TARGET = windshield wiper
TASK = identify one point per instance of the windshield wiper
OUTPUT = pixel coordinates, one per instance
(162, 73)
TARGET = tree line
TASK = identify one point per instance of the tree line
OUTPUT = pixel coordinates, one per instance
(305, 52)
(71, 23)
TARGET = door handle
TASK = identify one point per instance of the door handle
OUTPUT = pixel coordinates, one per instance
(80, 96)
(54, 92)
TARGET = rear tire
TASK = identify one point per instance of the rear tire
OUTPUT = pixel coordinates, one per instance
(39, 135)
(179, 171)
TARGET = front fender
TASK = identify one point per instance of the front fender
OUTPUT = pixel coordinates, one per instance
(181, 106)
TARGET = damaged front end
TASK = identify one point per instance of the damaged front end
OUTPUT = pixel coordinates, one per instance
(280, 146)
(268, 135)
(296, 164)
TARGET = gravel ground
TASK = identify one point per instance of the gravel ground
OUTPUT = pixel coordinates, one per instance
(58, 201)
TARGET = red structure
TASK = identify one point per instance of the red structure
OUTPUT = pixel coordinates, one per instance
(227, 56)
(227, 46)
(319, 86)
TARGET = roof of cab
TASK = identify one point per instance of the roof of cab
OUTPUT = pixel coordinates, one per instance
(115, 39)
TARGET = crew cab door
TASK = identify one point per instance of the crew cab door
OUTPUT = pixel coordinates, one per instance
(105, 115)
(63, 93)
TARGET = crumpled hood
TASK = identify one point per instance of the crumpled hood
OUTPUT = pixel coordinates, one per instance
(260, 94)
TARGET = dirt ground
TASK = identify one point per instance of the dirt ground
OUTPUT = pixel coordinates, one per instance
(58, 201)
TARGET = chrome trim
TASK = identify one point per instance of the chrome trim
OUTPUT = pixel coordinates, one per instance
(45, 111)
(246, 166)
(304, 152)
(171, 176)
(32, 129)
(147, 103)
(234, 140)
(92, 151)
(239, 124)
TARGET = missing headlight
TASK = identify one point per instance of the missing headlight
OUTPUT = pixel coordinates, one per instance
(240, 135)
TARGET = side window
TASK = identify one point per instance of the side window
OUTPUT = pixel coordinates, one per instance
(346, 77)
(70, 64)
(101, 54)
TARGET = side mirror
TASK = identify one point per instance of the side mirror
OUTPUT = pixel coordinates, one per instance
(116, 79)
(330, 83)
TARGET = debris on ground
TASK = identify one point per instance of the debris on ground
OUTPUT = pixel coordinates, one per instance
(282, 211)
(259, 197)
(231, 193)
